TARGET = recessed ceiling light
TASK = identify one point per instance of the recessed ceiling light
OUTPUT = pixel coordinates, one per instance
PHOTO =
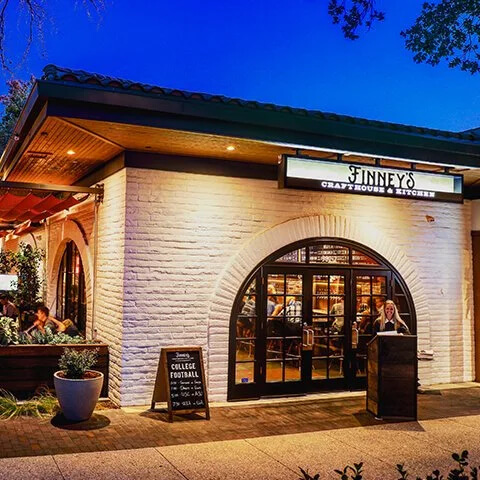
(230, 148)
(70, 152)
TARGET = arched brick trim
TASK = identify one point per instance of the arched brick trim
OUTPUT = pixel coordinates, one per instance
(260, 247)
(71, 231)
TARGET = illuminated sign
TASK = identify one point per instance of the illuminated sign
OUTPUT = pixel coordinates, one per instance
(309, 173)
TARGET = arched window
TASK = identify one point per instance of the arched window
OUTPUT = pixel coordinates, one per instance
(71, 293)
(302, 319)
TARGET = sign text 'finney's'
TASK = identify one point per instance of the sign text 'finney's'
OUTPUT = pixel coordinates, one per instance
(297, 172)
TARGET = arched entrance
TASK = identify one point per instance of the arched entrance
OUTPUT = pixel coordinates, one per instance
(71, 291)
(296, 318)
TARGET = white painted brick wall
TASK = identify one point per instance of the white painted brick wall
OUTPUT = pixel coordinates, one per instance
(110, 267)
(185, 232)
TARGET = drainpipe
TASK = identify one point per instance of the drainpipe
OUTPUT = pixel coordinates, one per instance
(94, 279)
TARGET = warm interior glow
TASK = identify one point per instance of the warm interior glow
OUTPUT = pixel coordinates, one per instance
(70, 152)
(230, 148)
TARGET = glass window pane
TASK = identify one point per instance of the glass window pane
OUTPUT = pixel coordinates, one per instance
(293, 326)
(294, 284)
(359, 258)
(293, 371)
(320, 347)
(379, 285)
(274, 302)
(293, 348)
(337, 305)
(245, 326)
(363, 304)
(296, 256)
(377, 304)
(320, 326)
(401, 303)
(362, 344)
(244, 372)
(249, 307)
(337, 285)
(245, 350)
(274, 349)
(275, 327)
(320, 305)
(335, 367)
(362, 366)
(329, 254)
(274, 372)
(276, 284)
(335, 346)
(365, 323)
(363, 285)
(320, 285)
(293, 308)
(319, 368)
(338, 325)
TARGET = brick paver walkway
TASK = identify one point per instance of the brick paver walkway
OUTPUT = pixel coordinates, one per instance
(116, 429)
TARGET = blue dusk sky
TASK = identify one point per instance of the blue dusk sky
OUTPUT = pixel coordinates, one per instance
(285, 52)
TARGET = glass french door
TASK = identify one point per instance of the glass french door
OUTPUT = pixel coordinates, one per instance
(306, 330)
(282, 366)
(330, 313)
(318, 324)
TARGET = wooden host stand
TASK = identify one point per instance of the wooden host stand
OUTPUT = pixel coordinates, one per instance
(392, 376)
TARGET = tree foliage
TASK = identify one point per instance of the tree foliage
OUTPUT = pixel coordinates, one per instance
(445, 30)
(448, 30)
(353, 15)
(36, 16)
(27, 265)
(13, 102)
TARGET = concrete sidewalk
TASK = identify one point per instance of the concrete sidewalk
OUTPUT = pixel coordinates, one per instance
(422, 446)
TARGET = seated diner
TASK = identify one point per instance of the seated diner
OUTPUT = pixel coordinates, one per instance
(44, 320)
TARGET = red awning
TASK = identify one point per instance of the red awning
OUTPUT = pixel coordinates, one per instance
(20, 213)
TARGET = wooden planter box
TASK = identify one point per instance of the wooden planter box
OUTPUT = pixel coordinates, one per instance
(23, 368)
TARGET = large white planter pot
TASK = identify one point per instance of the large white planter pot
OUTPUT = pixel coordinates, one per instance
(78, 397)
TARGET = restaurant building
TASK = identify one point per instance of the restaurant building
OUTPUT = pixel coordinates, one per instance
(227, 224)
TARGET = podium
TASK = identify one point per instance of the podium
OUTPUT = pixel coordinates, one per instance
(392, 376)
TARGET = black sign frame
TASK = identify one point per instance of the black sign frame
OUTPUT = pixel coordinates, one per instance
(167, 388)
(311, 184)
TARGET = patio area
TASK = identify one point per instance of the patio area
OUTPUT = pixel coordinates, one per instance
(254, 441)
(449, 420)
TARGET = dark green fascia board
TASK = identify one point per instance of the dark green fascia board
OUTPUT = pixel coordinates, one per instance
(253, 132)
(100, 103)
(257, 124)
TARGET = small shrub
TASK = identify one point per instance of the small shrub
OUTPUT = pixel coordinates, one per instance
(74, 363)
(457, 473)
(9, 331)
(50, 338)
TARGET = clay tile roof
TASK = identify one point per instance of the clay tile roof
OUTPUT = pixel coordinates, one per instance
(58, 74)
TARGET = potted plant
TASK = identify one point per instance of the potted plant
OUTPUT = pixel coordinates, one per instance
(78, 387)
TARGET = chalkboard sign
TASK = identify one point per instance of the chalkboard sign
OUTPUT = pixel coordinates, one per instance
(181, 381)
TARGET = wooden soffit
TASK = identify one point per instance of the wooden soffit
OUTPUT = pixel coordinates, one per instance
(45, 158)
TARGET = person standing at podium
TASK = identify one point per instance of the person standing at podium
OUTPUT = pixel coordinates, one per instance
(389, 320)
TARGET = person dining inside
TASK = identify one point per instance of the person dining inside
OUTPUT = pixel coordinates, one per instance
(9, 309)
(44, 320)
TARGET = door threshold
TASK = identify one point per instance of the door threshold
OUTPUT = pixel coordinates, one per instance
(283, 395)
(303, 397)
